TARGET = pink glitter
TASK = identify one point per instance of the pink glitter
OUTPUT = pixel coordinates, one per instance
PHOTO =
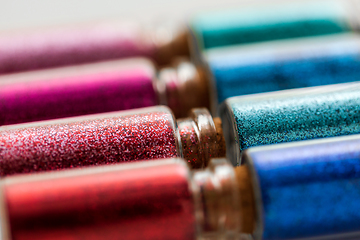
(190, 143)
(51, 47)
(92, 140)
(150, 201)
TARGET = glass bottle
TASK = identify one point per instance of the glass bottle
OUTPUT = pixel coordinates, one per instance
(67, 45)
(272, 21)
(95, 88)
(147, 200)
(277, 65)
(284, 64)
(147, 133)
(307, 189)
(290, 115)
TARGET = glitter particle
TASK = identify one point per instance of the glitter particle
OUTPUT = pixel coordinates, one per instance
(149, 135)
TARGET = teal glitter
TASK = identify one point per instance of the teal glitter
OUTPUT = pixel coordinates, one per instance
(293, 115)
(264, 23)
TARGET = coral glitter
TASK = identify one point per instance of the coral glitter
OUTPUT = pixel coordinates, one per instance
(150, 200)
(149, 133)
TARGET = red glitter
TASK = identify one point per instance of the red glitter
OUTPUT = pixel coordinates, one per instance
(149, 200)
(91, 140)
(190, 143)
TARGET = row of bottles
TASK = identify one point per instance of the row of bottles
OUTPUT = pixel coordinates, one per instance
(247, 144)
(136, 83)
(152, 133)
(43, 48)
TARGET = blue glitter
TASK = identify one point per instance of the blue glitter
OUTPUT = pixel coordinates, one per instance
(285, 64)
(309, 188)
(270, 22)
(291, 115)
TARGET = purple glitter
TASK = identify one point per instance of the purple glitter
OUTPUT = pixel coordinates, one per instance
(80, 90)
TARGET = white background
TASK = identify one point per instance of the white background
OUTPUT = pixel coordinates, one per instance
(18, 14)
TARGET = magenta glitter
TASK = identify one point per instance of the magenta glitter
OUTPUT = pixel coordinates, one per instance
(78, 90)
(43, 48)
(147, 133)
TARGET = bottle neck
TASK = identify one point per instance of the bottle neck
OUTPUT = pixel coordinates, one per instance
(352, 10)
(4, 224)
(221, 210)
(247, 199)
(183, 87)
(171, 40)
(201, 138)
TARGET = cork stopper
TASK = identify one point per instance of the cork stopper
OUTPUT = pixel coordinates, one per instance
(216, 200)
(172, 41)
(247, 199)
(220, 139)
(183, 87)
(201, 138)
(352, 8)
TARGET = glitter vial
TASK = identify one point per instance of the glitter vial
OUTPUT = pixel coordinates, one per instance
(141, 134)
(283, 64)
(67, 45)
(97, 87)
(276, 65)
(150, 200)
(272, 21)
(289, 115)
(306, 190)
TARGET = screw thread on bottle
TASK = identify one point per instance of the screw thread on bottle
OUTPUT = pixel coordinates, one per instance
(247, 200)
(224, 200)
(216, 195)
(201, 138)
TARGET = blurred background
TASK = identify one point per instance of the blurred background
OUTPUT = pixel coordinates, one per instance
(18, 14)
